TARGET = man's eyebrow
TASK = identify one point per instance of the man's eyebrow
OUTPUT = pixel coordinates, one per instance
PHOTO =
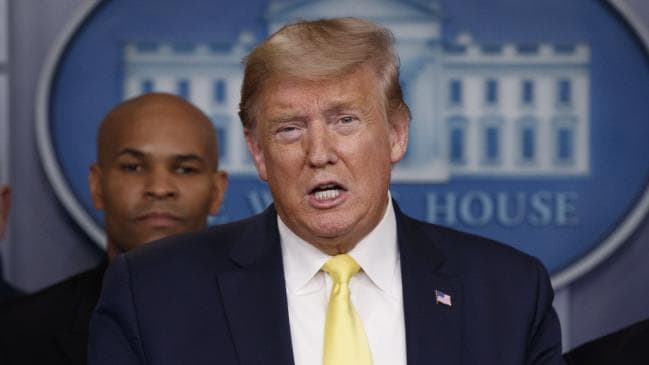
(182, 157)
(188, 157)
(131, 152)
(339, 106)
(282, 118)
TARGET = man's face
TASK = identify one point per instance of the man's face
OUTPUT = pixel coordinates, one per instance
(326, 150)
(158, 178)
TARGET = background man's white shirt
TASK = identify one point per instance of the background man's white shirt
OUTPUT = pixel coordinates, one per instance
(376, 292)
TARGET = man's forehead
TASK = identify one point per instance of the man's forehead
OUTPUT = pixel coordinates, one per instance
(153, 113)
(158, 142)
(329, 95)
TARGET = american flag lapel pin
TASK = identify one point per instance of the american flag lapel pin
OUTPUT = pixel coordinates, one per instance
(442, 298)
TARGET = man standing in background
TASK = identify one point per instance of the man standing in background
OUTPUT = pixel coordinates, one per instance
(156, 175)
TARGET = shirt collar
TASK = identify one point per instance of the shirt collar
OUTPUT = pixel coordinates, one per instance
(377, 254)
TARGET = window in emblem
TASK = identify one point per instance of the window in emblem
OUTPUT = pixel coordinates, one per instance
(491, 92)
(455, 92)
(528, 140)
(527, 92)
(146, 86)
(528, 144)
(564, 92)
(491, 143)
(219, 95)
(491, 140)
(457, 140)
(182, 88)
(565, 139)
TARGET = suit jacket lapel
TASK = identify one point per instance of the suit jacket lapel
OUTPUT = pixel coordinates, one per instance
(433, 330)
(254, 295)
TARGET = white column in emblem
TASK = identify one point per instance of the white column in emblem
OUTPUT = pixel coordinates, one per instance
(582, 129)
(131, 87)
(546, 106)
(508, 106)
(238, 148)
(200, 93)
(165, 84)
(421, 142)
(472, 108)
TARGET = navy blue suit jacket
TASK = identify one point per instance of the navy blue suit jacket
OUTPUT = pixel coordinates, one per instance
(218, 297)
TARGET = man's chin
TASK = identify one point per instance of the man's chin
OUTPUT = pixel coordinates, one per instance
(332, 233)
(158, 234)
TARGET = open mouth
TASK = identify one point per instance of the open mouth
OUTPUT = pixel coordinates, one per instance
(327, 192)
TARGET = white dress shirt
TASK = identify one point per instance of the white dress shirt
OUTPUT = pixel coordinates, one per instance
(375, 292)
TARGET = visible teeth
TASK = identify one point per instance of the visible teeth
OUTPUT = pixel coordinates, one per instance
(327, 194)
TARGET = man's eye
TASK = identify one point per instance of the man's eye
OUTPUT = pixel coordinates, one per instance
(347, 124)
(288, 133)
(288, 129)
(131, 167)
(186, 170)
(347, 119)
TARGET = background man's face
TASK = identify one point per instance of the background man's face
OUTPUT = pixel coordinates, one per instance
(327, 150)
(158, 178)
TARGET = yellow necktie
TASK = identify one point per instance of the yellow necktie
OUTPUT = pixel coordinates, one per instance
(345, 341)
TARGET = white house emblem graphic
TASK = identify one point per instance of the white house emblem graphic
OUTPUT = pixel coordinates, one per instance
(507, 109)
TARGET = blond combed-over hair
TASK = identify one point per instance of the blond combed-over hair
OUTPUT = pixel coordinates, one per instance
(320, 50)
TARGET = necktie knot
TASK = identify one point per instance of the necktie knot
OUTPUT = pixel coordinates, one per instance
(341, 268)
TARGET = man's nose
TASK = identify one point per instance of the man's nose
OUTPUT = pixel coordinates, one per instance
(160, 184)
(321, 146)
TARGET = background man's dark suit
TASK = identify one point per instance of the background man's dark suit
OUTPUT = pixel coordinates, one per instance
(53, 321)
(218, 297)
(628, 346)
(7, 291)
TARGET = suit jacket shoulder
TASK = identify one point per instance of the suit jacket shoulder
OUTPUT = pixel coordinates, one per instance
(213, 296)
(211, 250)
(499, 308)
(464, 253)
(51, 325)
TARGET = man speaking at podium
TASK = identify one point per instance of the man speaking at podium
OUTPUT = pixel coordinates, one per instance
(333, 272)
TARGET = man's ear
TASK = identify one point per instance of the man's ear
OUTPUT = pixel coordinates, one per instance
(220, 186)
(252, 140)
(399, 124)
(94, 180)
